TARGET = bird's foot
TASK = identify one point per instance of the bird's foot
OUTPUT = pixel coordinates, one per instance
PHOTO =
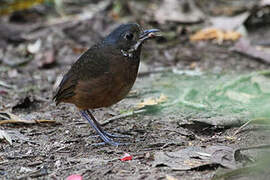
(113, 144)
(116, 135)
(112, 135)
(108, 140)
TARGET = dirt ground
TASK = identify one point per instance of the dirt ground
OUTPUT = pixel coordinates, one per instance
(55, 150)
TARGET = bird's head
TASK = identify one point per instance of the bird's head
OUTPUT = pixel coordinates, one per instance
(129, 37)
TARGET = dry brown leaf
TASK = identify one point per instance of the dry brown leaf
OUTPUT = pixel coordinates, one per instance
(217, 34)
(194, 157)
(12, 118)
(152, 101)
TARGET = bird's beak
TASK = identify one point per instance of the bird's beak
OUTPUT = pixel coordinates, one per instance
(147, 34)
(150, 33)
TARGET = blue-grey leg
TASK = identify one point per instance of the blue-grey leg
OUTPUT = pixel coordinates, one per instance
(104, 132)
(103, 136)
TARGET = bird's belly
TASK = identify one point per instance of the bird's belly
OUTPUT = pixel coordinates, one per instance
(116, 94)
(122, 80)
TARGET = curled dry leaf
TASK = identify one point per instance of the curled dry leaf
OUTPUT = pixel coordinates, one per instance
(152, 101)
(216, 34)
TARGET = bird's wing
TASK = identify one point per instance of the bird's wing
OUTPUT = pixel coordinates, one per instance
(90, 65)
(66, 88)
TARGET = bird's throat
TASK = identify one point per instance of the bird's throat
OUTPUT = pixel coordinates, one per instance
(130, 52)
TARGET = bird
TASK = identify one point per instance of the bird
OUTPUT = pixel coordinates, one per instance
(104, 74)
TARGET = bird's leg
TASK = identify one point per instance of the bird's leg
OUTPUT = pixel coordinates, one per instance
(104, 132)
(103, 136)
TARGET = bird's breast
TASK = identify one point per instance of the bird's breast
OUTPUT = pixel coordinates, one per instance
(123, 77)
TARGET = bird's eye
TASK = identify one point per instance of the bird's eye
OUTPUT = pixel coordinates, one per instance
(129, 36)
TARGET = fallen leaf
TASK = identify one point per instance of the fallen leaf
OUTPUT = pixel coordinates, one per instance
(194, 157)
(222, 121)
(244, 46)
(4, 135)
(152, 101)
(216, 34)
(227, 23)
(126, 157)
(179, 160)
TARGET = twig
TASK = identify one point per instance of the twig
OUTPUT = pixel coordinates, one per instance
(242, 127)
(122, 116)
(12, 118)
(255, 147)
(10, 121)
(247, 123)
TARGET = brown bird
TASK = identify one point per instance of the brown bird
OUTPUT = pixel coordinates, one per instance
(104, 74)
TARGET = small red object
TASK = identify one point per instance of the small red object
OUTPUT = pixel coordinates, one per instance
(74, 177)
(127, 157)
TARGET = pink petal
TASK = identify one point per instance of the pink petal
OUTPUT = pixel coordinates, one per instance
(74, 177)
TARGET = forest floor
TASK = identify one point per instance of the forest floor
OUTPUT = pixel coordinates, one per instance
(172, 139)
